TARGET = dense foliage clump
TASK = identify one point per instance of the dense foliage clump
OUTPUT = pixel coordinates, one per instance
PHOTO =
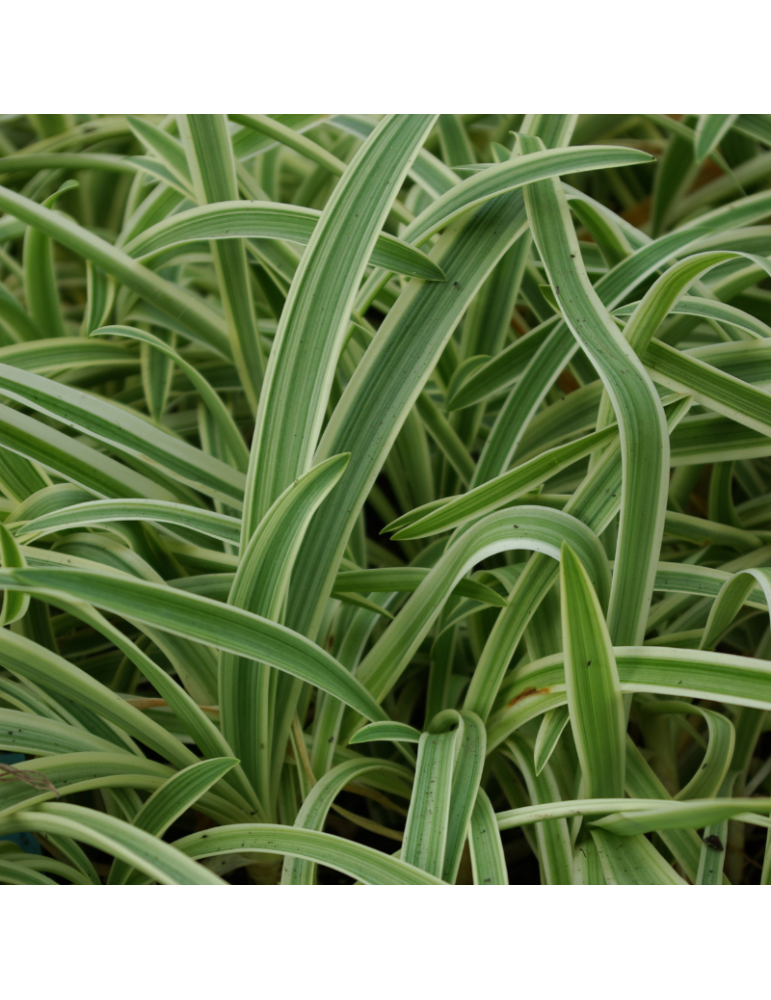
(385, 499)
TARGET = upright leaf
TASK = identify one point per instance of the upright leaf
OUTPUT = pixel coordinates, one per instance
(592, 683)
(212, 167)
(315, 317)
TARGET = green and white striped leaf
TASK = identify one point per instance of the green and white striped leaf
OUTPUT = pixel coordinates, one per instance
(710, 129)
(533, 528)
(202, 620)
(200, 319)
(592, 684)
(356, 860)
(14, 605)
(246, 689)
(633, 861)
(375, 731)
(125, 431)
(488, 862)
(227, 220)
(318, 802)
(315, 317)
(555, 850)
(167, 803)
(640, 416)
(161, 861)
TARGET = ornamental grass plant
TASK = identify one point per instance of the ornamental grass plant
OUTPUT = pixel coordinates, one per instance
(385, 499)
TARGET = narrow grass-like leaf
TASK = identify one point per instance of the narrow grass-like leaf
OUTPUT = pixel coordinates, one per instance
(100, 292)
(248, 143)
(202, 321)
(596, 502)
(713, 841)
(611, 288)
(501, 490)
(406, 580)
(33, 162)
(719, 391)
(105, 511)
(720, 747)
(119, 427)
(467, 774)
(356, 860)
(318, 802)
(386, 731)
(274, 129)
(299, 376)
(555, 854)
(446, 437)
(568, 808)
(226, 220)
(40, 277)
(551, 728)
(633, 861)
(14, 605)
(170, 801)
(592, 684)
(686, 673)
(212, 166)
(204, 732)
(532, 528)
(694, 813)
(18, 323)
(203, 620)
(169, 150)
(642, 427)
(16, 874)
(24, 732)
(33, 864)
(75, 461)
(710, 129)
(31, 661)
(497, 353)
(75, 772)
(46, 355)
(733, 594)
(503, 177)
(694, 305)
(426, 831)
(488, 862)
(159, 860)
(246, 689)
(383, 390)
(642, 782)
